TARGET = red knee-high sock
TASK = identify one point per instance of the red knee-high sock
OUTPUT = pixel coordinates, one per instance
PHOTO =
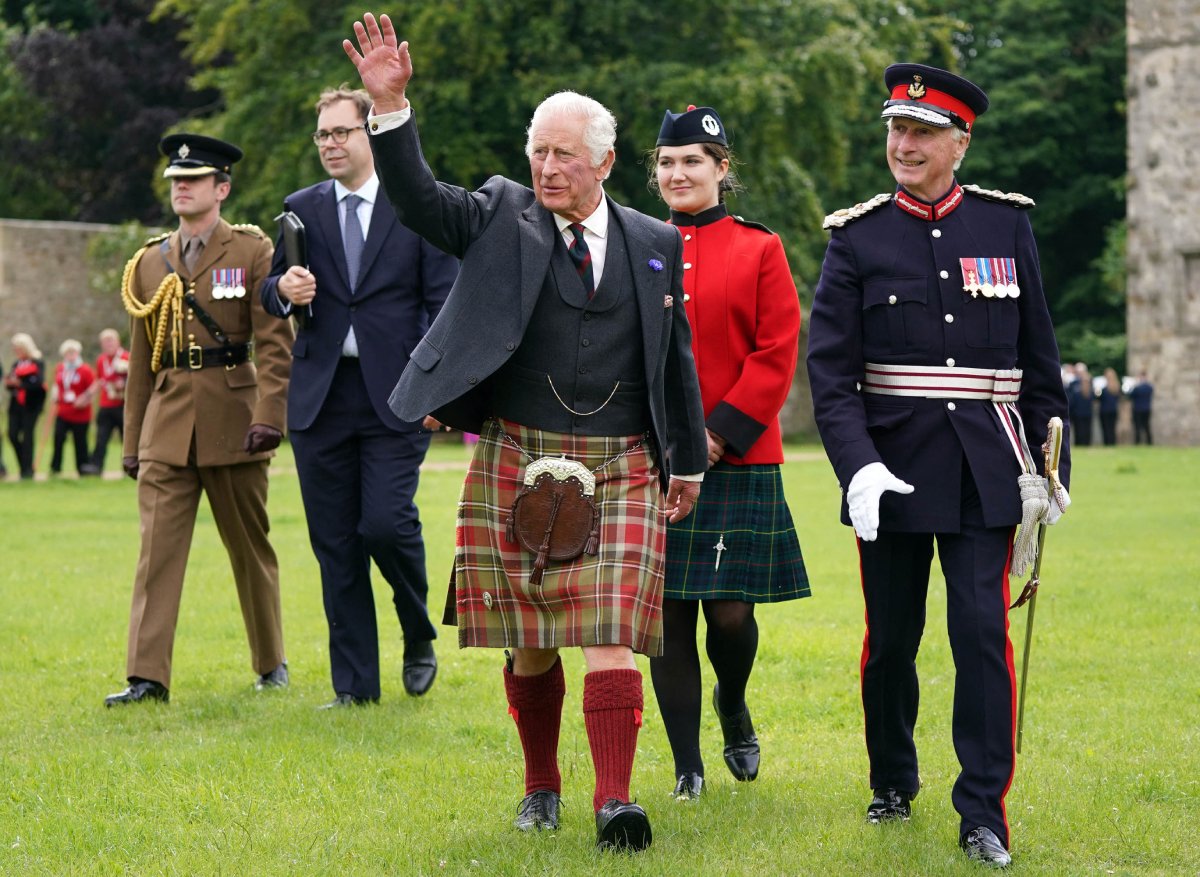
(535, 703)
(612, 714)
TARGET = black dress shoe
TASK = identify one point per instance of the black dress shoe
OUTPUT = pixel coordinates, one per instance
(741, 744)
(420, 666)
(889, 804)
(689, 787)
(538, 810)
(981, 845)
(139, 690)
(277, 678)
(345, 700)
(622, 826)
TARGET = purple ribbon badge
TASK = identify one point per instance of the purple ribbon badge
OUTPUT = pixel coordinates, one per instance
(655, 265)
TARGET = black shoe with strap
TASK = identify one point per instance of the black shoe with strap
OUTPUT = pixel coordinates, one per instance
(889, 805)
(538, 810)
(981, 845)
(139, 690)
(622, 826)
(689, 787)
(742, 752)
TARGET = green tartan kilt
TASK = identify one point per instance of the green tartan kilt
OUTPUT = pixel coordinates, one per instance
(742, 509)
(612, 598)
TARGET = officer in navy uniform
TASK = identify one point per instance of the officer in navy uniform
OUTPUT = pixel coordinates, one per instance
(934, 370)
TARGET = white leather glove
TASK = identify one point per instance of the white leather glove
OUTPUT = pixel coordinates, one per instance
(862, 497)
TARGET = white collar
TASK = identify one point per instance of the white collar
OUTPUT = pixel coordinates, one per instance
(368, 191)
(597, 223)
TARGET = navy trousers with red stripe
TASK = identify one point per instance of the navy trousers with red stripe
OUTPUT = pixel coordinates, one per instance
(895, 579)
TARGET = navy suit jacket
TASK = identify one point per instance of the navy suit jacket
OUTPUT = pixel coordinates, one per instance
(891, 292)
(506, 239)
(403, 282)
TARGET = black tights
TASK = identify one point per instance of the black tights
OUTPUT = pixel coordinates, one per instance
(731, 643)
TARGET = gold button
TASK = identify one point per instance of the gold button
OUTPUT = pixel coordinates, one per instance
(686, 297)
(687, 237)
(687, 265)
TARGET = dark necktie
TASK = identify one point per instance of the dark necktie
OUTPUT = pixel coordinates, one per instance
(352, 239)
(582, 257)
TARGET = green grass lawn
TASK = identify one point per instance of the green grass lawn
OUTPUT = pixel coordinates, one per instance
(227, 781)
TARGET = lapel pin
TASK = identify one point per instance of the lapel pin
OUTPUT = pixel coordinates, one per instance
(655, 265)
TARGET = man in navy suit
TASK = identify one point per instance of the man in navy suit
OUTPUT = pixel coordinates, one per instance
(930, 346)
(369, 292)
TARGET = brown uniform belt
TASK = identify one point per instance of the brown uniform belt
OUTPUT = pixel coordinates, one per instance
(228, 355)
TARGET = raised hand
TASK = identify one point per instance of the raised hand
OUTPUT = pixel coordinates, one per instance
(383, 65)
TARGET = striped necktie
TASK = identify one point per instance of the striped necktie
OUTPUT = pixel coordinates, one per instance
(582, 257)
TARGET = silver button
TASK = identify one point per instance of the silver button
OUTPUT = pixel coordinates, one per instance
(687, 265)
(949, 318)
(891, 299)
(857, 385)
(687, 237)
(950, 406)
(487, 599)
(937, 232)
(950, 362)
(686, 297)
(945, 275)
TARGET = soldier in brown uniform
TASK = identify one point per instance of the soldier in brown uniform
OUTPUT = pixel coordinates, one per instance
(204, 411)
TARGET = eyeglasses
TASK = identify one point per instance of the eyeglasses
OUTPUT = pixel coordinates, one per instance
(339, 135)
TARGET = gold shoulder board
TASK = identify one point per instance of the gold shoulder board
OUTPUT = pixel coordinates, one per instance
(847, 215)
(1014, 198)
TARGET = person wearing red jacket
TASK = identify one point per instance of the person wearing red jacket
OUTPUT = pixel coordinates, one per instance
(112, 368)
(73, 379)
(739, 547)
(27, 388)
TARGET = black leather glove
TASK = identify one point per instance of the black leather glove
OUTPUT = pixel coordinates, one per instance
(260, 438)
(130, 465)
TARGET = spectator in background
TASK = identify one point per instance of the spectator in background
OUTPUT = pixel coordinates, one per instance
(112, 367)
(1110, 395)
(1142, 394)
(1080, 405)
(73, 380)
(26, 382)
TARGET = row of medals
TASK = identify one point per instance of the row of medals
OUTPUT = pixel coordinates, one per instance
(222, 292)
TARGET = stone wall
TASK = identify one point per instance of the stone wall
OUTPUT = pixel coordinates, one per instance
(46, 288)
(1163, 208)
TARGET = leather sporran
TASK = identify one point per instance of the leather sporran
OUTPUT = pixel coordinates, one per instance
(554, 517)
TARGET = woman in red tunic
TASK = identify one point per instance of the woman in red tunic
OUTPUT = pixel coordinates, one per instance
(739, 546)
(73, 381)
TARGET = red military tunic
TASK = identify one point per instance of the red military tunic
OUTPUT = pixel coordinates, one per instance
(745, 316)
(81, 380)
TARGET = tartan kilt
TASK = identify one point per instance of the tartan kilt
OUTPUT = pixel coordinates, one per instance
(743, 508)
(613, 598)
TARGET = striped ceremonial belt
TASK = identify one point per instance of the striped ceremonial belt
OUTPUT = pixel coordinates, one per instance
(943, 382)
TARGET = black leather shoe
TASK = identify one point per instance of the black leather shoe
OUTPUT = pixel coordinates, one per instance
(345, 700)
(981, 845)
(689, 787)
(889, 804)
(622, 826)
(277, 678)
(420, 667)
(139, 690)
(741, 744)
(538, 810)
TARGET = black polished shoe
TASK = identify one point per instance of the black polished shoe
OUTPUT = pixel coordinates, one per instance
(741, 743)
(420, 666)
(277, 678)
(689, 787)
(981, 845)
(889, 804)
(346, 700)
(139, 690)
(622, 826)
(538, 810)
